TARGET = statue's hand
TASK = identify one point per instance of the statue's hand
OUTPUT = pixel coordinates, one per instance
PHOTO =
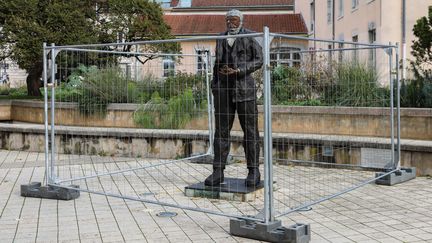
(225, 70)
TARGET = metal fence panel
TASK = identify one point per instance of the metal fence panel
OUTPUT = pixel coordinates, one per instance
(149, 106)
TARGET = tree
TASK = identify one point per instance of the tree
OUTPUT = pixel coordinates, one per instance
(422, 47)
(26, 24)
(418, 92)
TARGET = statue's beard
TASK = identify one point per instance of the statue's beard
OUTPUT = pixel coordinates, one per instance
(234, 31)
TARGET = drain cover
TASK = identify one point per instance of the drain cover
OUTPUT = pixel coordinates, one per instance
(305, 209)
(166, 214)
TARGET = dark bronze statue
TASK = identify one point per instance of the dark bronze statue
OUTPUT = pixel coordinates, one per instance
(234, 90)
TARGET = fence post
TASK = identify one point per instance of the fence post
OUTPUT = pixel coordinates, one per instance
(398, 131)
(270, 229)
(401, 174)
(268, 141)
(53, 148)
(44, 76)
(392, 137)
(208, 65)
(36, 189)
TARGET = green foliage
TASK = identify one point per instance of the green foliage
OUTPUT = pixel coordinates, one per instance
(75, 79)
(288, 85)
(422, 47)
(66, 94)
(28, 23)
(171, 114)
(416, 93)
(7, 93)
(310, 102)
(16, 92)
(353, 84)
(182, 96)
(173, 102)
(4, 90)
(181, 109)
(178, 84)
(357, 85)
(100, 87)
(149, 115)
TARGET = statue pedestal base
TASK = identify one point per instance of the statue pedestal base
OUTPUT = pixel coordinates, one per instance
(233, 189)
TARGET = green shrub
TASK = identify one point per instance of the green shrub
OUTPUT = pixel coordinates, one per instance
(416, 93)
(309, 102)
(4, 90)
(149, 114)
(172, 114)
(100, 87)
(75, 79)
(355, 84)
(288, 85)
(67, 94)
(176, 85)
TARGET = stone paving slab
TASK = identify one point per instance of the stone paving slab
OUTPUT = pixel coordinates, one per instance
(401, 213)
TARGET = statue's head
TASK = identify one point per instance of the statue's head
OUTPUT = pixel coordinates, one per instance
(234, 21)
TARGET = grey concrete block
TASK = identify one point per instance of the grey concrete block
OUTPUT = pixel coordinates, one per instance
(272, 232)
(35, 189)
(403, 175)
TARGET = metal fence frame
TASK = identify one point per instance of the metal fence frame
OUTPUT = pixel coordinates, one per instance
(268, 211)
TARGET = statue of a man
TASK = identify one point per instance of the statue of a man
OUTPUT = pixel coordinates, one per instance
(234, 91)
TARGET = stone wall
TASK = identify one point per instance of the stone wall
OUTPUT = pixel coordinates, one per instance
(288, 148)
(415, 123)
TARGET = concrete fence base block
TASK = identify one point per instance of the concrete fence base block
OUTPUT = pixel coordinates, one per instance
(272, 232)
(35, 189)
(403, 175)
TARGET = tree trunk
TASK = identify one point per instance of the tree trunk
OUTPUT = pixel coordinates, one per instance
(33, 80)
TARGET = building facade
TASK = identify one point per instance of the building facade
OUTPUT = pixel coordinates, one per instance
(364, 21)
(189, 18)
(194, 18)
(201, 17)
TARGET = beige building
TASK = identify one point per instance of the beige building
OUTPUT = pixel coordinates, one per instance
(192, 18)
(365, 21)
(195, 18)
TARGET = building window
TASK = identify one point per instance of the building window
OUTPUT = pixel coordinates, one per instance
(340, 57)
(355, 52)
(341, 8)
(354, 4)
(185, 3)
(121, 37)
(312, 16)
(164, 3)
(285, 56)
(168, 66)
(329, 11)
(4, 65)
(372, 52)
(201, 63)
(4, 77)
(330, 54)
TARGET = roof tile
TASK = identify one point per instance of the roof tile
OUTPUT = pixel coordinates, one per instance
(237, 3)
(214, 24)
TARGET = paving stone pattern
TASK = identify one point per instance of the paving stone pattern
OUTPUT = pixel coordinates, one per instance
(401, 213)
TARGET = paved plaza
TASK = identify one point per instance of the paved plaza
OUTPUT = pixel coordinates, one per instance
(401, 213)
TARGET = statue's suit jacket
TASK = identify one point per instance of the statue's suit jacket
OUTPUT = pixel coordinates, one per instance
(246, 55)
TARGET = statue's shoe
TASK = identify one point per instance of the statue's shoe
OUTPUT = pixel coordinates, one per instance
(253, 178)
(215, 178)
